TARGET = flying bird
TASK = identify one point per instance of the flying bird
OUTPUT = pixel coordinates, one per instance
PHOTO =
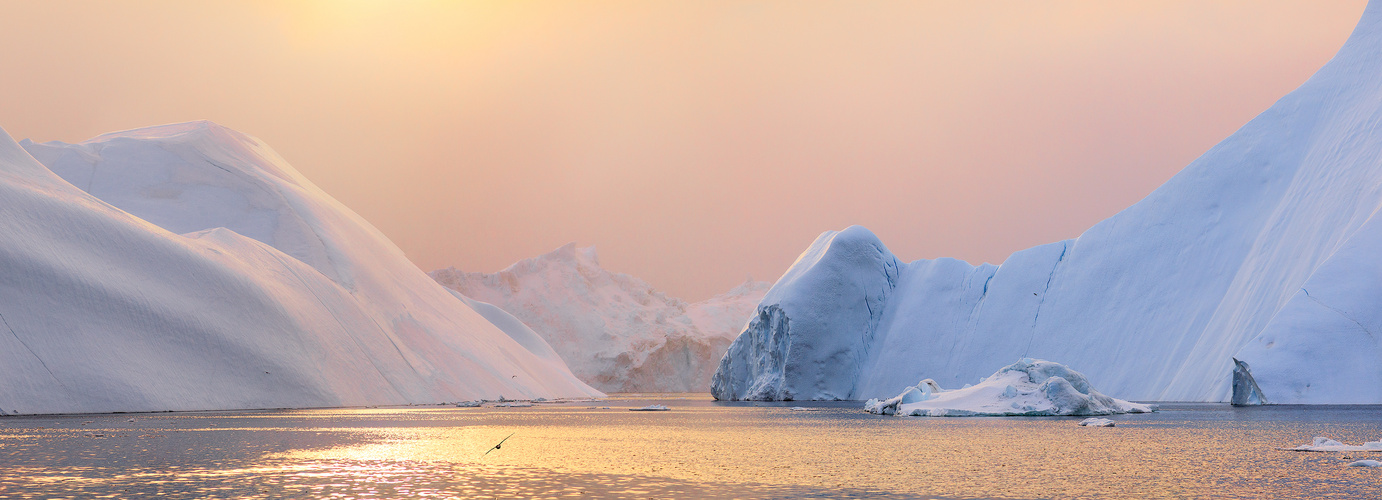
(497, 446)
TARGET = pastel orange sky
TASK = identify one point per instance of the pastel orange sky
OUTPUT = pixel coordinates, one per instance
(693, 142)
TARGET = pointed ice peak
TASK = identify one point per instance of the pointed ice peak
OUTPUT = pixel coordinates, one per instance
(570, 253)
(748, 287)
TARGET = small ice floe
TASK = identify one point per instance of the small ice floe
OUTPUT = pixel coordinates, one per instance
(1322, 443)
(515, 404)
(801, 408)
(1365, 463)
(470, 404)
(1096, 422)
(1029, 387)
(651, 408)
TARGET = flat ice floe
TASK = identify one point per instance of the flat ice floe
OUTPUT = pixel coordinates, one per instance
(1030, 387)
(1322, 443)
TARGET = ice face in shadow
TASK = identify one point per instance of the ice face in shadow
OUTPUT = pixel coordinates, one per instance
(152, 300)
(616, 331)
(1262, 250)
(813, 329)
(1026, 388)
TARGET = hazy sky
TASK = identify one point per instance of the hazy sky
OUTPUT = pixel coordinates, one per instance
(694, 142)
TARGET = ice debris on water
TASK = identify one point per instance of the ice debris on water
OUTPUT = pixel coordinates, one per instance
(1321, 443)
(470, 404)
(1096, 422)
(651, 408)
(1029, 387)
(1365, 463)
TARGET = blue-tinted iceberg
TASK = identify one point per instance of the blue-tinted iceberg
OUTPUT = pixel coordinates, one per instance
(1255, 268)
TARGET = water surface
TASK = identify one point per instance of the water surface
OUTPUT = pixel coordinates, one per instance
(699, 449)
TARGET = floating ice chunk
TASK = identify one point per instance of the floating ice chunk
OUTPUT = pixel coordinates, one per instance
(1028, 387)
(651, 408)
(1365, 463)
(1096, 422)
(923, 391)
(1321, 443)
(469, 404)
(801, 408)
(516, 404)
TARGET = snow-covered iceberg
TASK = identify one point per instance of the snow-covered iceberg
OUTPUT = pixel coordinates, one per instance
(615, 331)
(1027, 388)
(188, 267)
(1253, 268)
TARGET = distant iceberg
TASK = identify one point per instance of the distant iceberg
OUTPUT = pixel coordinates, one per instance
(1251, 276)
(615, 331)
(1026, 388)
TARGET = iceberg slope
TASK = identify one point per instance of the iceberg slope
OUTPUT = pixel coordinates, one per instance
(615, 331)
(1153, 303)
(105, 309)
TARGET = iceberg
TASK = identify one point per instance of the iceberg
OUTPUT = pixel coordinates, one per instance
(1249, 277)
(615, 331)
(1321, 443)
(1029, 387)
(188, 267)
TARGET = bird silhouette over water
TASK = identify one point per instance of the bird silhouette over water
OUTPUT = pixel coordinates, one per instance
(497, 446)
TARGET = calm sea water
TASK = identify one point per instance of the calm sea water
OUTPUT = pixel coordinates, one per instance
(699, 449)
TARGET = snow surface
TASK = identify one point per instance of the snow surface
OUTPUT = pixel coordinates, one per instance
(1322, 443)
(1262, 250)
(615, 331)
(1029, 387)
(188, 267)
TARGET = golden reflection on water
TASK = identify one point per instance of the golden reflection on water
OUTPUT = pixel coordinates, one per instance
(699, 449)
(1016, 457)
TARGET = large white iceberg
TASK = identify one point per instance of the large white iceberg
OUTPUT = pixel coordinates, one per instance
(1251, 276)
(615, 331)
(1028, 387)
(188, 267)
